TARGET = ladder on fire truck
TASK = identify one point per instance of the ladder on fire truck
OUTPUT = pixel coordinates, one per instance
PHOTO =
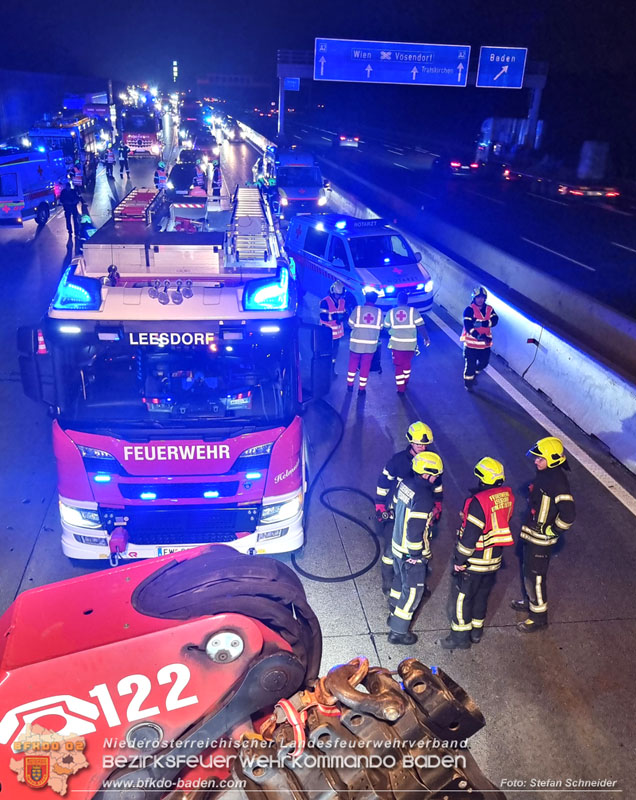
(252, 238)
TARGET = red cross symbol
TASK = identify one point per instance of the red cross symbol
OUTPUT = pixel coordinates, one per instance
(5, 209)
(40, 171)
(368, 318)
(397, 270)
(298, 231)
(400, 316)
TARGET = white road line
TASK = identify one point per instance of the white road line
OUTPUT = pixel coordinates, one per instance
(402, 165)
(326, 138)
(547, 199)
(296, 136)
(554, 252)
(486, 197)
(585, 460)
(614, 210)
(624, 247)
(396, 152)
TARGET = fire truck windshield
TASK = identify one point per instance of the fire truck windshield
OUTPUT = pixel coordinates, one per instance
(139, 123)
(251, 379)
(299, 176)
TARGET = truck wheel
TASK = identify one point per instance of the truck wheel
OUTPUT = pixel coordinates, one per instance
(42, 214)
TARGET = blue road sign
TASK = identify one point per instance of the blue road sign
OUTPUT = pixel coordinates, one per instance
(501, 67)
(292, 84)
(391, 62)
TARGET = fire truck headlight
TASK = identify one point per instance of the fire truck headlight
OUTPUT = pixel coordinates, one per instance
(170, 185)
(279, 512)
(79, 517)
(93, 452)
(155, 149)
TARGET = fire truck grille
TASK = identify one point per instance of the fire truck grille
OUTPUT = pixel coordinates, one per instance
(188, 525)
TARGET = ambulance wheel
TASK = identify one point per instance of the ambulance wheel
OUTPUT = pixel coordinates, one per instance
(42, 214)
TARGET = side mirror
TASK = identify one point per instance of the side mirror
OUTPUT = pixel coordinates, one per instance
(31, 378)
(338, 262)
(418, 257)
(27, 340)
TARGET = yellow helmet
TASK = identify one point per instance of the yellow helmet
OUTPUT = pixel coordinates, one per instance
(419, 433)
(427, 463)
(490, 471)
(549, 448)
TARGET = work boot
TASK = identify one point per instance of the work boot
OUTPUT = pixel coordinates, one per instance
(451, 643)
(519, 605)
(349, 387)
(362, 391)
(530, 626)
(469, 387)
(426, 593)
(402, 638)
(476, 634)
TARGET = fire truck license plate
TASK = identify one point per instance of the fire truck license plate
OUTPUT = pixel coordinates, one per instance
(164, 551)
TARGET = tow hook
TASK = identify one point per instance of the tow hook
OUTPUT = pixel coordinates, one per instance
(117, 543)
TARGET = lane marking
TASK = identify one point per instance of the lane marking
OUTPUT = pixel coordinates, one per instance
(614, 210)
(296, 136)
(402, 165)
(486, 197)
(554, 252)
(624, 247)
(396, 152)
(326, 138)
(585, 460)
(548, 199)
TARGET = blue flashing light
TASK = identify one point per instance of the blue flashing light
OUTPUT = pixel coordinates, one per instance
(210, 495)
(253, 476)
(148, 496)
(41, 149)
(262, 295)
(341, 224)
(269, 329)
(102, 477)
(389, 290)
(75, 293)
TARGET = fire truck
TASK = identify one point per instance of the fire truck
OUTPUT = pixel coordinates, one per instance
(140, 131)
(173, 362)
(72, 135)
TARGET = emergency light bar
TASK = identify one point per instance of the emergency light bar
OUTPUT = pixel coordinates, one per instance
(267, 295)
(76, 293)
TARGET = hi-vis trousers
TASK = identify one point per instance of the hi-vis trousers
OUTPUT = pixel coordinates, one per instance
(471, 591)
(536, 560)
(409, 581)
(363, 362)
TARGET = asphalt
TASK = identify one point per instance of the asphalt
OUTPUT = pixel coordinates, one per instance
(558, 703)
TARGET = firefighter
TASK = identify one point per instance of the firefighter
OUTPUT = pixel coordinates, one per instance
(122, 154)
(404, 323)
(365, 322)
(419, 436)
(110, 161)
(217, 180)
(161, 176)
(479, 319)
(484, 532)
(334, 309)
(414, 503)
(69, 199)
(77, 176)
(551, 511)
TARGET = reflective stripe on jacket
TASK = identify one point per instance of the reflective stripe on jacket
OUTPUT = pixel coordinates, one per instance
(332, 321)
(403, 323)
(468, 339)
(365, 322)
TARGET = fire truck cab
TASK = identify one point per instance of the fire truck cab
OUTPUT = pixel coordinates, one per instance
(174, 361)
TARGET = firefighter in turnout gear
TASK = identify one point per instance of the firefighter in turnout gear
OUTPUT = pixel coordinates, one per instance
(122, 154)
(404, 323)
(334, 309)
(419, 436)
(484, 532)
(109, 159)
(414, 503)
(365, 323)
(479, 320)
(551, 511)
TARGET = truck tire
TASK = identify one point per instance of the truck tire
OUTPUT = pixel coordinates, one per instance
(42, 214)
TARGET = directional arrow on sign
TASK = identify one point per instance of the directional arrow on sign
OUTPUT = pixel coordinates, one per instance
(322, 60)
(501, 72)
(414, 72)
(460, 69)
(368, 69)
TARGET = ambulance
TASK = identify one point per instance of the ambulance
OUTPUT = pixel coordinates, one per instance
(170, 363)
(30, 183)
(297, 185)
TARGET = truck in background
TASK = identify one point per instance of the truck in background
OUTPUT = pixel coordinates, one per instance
(294, 180)
(73, 135)
(30, 184)
(176, 393)
(141, 132)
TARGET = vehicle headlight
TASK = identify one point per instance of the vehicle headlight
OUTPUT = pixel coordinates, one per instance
(284, 201)
(155, 149)
(258, 450)
(369, 289)
(230, 134)
(170, 185)
(94, 540)
(279, 512)
(216, 150)
(94, 452)
(80, 517)
(428, 286)
(322, 200)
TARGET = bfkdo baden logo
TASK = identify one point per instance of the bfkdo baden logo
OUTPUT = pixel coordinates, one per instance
(44, 758)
